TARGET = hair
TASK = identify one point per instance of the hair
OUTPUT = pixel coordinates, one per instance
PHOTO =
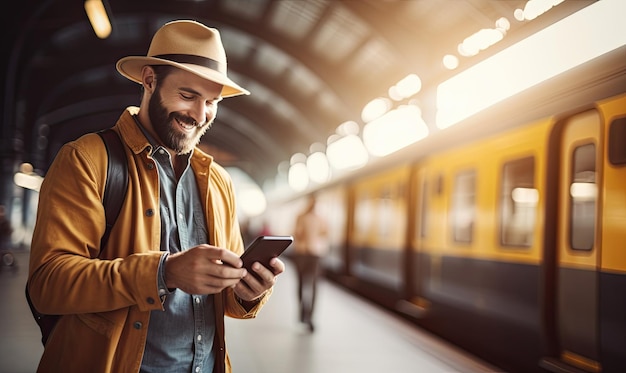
(162, 71)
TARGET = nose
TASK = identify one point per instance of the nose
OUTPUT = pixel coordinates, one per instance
(203, 112)
(198, 113)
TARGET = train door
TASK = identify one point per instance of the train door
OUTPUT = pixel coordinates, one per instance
(577, 243)
(413, 304)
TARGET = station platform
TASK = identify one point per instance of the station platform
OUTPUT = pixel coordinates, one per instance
(351, 335)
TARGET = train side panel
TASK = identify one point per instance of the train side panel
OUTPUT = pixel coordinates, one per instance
(378, 233)
(478, 251)
(612, 282)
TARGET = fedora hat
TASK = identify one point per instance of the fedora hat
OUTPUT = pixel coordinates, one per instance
(188, 45)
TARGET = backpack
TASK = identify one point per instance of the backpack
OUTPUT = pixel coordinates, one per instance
(114, 193)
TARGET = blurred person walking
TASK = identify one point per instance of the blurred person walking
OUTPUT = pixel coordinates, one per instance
(311, 244)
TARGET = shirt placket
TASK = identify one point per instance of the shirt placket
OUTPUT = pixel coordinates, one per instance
(199, 343)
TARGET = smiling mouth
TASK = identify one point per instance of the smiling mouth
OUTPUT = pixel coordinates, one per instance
(186, 125)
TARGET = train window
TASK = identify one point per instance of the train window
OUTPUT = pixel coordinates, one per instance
(583, 194)
(518, 205)
(464, 206)
(617, 141)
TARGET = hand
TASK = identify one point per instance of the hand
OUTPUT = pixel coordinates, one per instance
(253, 286)
(200, 270)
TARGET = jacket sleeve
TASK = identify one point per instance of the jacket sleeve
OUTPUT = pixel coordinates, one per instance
(65, 274)
(232, 307)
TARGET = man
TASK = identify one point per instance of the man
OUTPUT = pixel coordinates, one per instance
(153, 299)
(311, 244)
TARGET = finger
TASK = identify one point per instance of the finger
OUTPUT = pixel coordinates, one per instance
(225, 270)
(219, 255)
(278, 266)
(230, 258)
(264, 275)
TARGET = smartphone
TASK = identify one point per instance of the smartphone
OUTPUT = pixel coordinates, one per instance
(263, 249)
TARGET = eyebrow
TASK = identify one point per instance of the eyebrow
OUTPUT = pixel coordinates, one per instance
(190, 90)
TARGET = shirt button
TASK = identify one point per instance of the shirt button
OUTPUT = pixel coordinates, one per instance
(137, 325)
(197, 299)
(161, 151)
(199, 338)
(197, 369)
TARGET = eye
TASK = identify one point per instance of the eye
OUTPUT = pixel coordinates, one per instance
(186, 96)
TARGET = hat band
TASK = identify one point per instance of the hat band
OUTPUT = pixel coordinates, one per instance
(195, 60)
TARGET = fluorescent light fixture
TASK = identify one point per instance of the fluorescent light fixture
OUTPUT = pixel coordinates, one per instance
(409, 85)
(347, 152)
(594, 30)
(394, 130)
(298, 177)
(375, 109)
(535, 8)
(97, 14)
(450, 61)
(318, 167)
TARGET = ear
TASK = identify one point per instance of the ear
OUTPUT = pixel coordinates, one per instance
(148, 78)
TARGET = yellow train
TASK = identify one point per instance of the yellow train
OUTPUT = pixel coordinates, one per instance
(505, 234)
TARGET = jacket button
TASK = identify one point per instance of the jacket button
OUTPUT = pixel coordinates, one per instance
(137, 325)
(150, 300)
(150, 166)
(149, 212)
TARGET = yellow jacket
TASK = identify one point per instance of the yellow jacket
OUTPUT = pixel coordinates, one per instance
(106, 298)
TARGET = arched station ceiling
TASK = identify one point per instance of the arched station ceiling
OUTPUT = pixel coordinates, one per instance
(310, 65)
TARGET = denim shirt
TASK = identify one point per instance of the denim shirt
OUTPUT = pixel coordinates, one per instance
(181, 338)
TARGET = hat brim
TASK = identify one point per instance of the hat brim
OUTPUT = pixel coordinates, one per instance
(131, 66)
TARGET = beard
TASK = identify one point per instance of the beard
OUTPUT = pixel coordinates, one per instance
(165, 126)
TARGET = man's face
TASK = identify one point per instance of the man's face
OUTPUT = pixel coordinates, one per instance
(182, 108)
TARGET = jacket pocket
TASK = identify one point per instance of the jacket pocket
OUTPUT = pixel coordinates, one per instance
(97, 323)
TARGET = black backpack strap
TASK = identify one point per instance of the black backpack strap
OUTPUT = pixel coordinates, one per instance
(114, 193)
(117, 180)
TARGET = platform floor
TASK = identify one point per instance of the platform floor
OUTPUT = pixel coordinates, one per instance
(351, 335)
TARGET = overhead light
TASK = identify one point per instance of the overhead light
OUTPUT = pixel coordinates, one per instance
(450, 61)
(98, 17)
(535, 8)
(298, 177)
(375, 109)
(409, 85)
(347, 153)
(318, 167)
(394, 130)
